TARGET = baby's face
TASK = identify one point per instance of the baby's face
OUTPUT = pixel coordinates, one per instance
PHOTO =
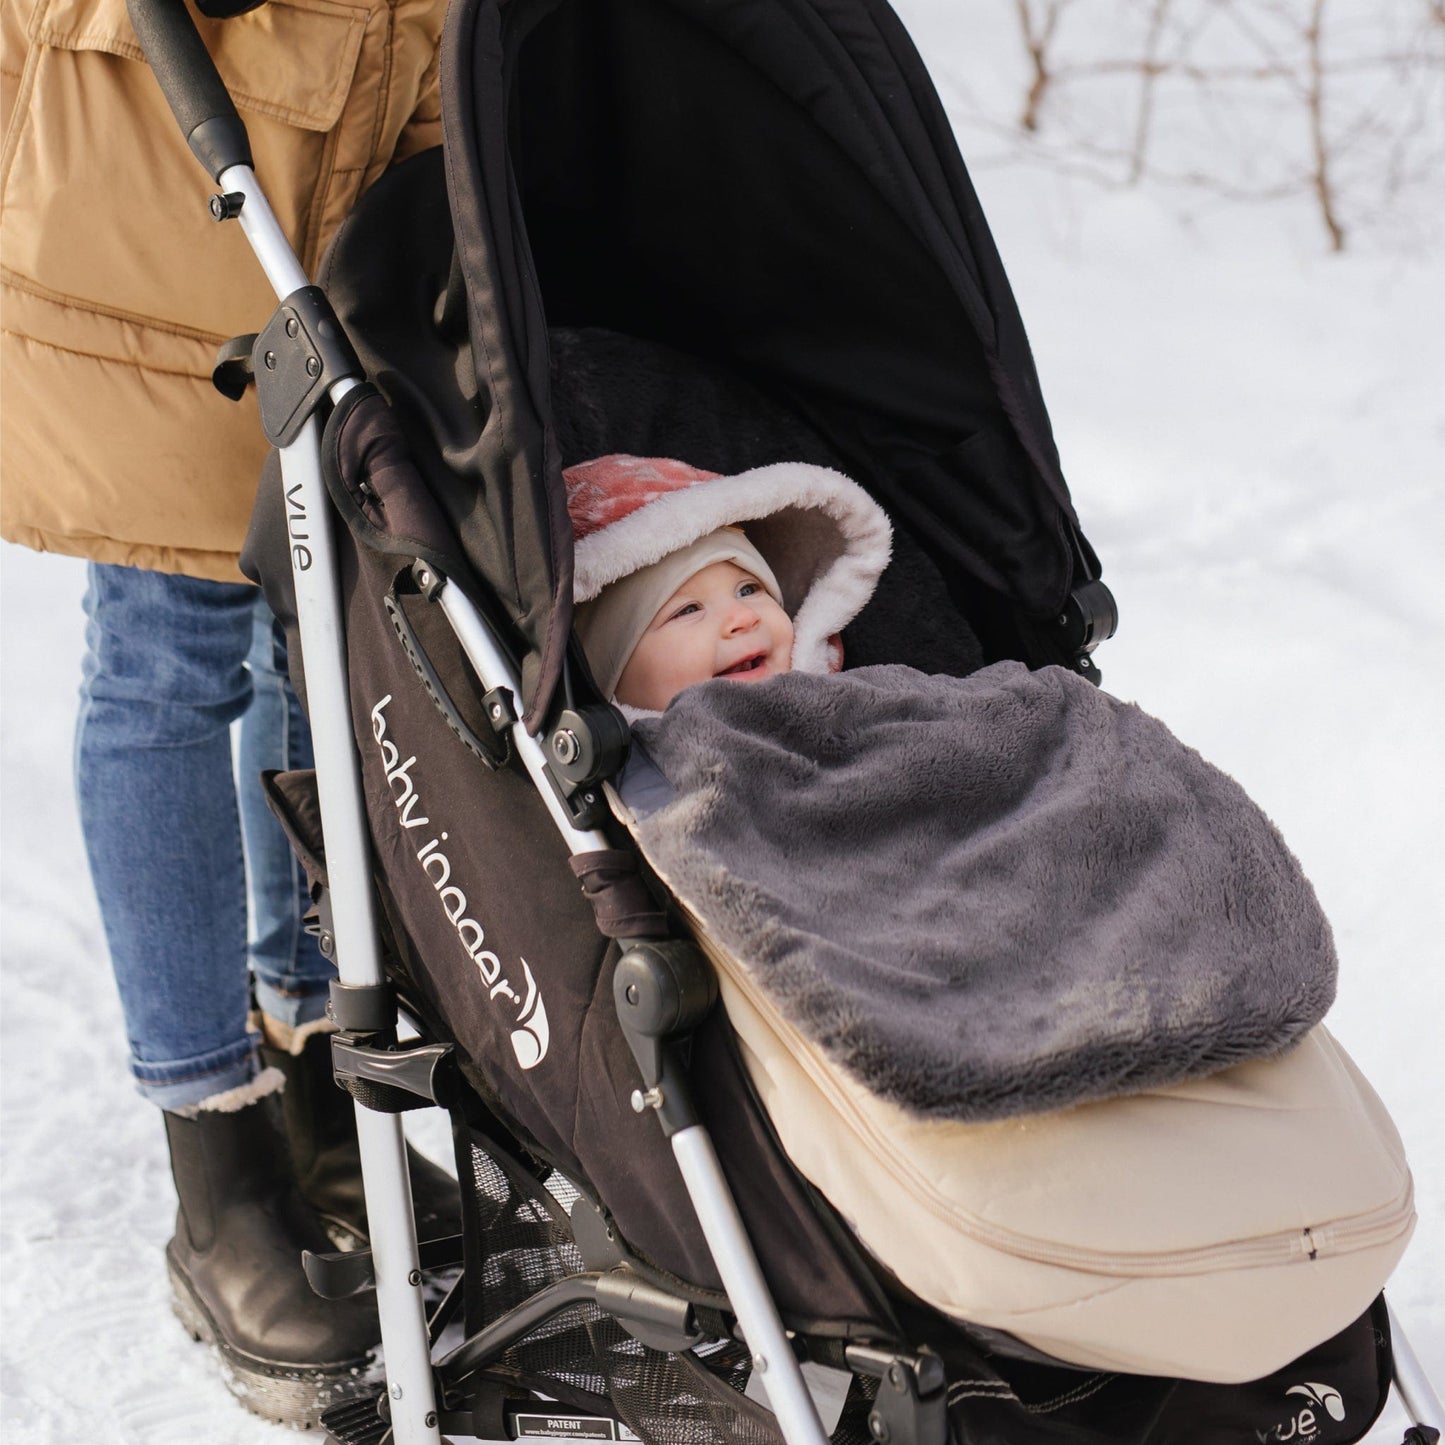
(720, 623)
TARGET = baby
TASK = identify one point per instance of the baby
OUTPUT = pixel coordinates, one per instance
(671, 591)
(713, 609)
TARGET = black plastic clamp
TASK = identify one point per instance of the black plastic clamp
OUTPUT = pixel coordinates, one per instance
(301, 354)
(362, 1008)
(429, 580)
(912, 1403)
(501, 710)
(227, 205)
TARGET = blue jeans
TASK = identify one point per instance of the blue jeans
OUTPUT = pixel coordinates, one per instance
(171, 663)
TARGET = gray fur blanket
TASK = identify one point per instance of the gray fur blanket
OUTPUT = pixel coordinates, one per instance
(983, 896)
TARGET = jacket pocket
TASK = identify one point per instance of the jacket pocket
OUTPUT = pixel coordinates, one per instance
(291, 60)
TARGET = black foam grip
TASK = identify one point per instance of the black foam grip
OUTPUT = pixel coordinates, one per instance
(193, 88)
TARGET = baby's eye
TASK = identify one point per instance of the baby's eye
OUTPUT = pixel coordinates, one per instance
(684, 610)
(746, 589)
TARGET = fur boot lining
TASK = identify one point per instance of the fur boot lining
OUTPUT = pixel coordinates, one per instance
(229, 1101)
(291, 1038)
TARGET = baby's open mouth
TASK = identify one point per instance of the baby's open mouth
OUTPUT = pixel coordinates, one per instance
(747, 665)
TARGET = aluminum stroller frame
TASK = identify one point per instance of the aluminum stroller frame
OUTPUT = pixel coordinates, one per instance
(310, 367)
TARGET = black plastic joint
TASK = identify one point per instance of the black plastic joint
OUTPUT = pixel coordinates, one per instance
(301, 354)
(663, 989)
(501, 711)
(661, 1320)
(428, 580)
(911, 1407)
(588, 744)
(226, 205)
(362, 1008)
(1090, 616)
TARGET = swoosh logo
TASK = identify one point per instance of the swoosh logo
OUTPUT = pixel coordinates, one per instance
(532, 1035)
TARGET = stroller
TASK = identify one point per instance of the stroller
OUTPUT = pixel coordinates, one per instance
(649, 213)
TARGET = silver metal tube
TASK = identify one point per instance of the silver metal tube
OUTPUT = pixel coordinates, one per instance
(747, 1291)
(338, 781)
(1421, 1402)
(338, 771)
(264, 232)
(495, 670)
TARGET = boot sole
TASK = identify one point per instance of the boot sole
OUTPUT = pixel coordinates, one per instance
(295, 1395)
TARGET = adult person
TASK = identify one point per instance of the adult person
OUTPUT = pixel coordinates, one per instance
(117, 289)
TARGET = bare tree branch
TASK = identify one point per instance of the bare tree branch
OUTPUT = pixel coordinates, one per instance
(1315, 92)
(1145, 116)
(1209, 96)
(1037, 38)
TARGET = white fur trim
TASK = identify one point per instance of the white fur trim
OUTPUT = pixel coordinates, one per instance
(230, 1101)
(634, 714)
(823, 593)
(300, 1033)
(289, 1038)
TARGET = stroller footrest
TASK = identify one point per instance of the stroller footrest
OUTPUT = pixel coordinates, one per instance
(357, 1422)
(348, 1272)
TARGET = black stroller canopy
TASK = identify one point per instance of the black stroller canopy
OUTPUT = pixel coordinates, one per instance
(769, 184)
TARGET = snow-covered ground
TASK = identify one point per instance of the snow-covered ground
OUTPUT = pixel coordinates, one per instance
(1254, 432)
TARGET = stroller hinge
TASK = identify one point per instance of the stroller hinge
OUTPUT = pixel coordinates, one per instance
(912, 1403)
(662, 991)
(586, 745)
(297, 359)
(1090, 616)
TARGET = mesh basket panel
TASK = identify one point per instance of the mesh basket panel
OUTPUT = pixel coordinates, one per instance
(526, 1243)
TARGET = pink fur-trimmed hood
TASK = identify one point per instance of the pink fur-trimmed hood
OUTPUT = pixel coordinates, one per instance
(825, 538)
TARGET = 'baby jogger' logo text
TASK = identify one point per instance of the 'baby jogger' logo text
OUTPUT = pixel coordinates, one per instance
(530, 1035)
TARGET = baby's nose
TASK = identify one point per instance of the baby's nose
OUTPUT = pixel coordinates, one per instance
(741, 618)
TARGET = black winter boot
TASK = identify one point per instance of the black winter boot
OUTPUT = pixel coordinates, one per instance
(236, 1275)
(320, 1121)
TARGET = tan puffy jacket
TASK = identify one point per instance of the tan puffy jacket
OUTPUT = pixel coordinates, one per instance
(118, 286)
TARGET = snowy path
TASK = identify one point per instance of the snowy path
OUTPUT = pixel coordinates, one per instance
(1255, 437)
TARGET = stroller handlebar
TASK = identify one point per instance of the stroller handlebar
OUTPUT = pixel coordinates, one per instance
(192, 86)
